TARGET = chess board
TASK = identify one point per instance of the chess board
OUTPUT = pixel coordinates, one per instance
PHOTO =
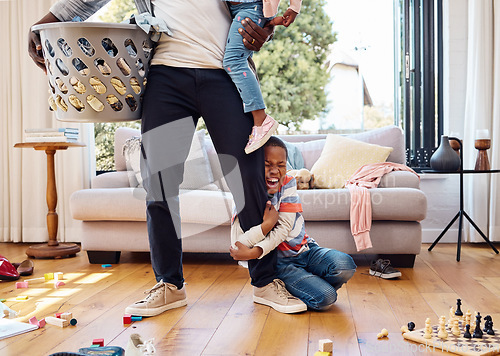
(488, 345)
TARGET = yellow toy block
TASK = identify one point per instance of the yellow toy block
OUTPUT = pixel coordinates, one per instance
(326, 345)
(22, 297)
(322, 353)
(48, 276)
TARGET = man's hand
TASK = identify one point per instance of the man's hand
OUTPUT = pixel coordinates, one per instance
(269, 219)
(243, 253)
(34, 44)
(255, 36)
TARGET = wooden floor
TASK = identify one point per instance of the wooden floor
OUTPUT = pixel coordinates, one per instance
(221, 319)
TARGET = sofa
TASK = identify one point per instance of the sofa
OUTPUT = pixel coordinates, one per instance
(112, 214)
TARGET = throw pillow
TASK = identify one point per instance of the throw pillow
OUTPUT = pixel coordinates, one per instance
(295, 159)
(341, 157)
(197, 171)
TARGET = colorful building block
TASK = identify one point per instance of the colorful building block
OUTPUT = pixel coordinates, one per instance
(58, 276)
(66, 316)
(56, 321)
(3, 300)
(33, 320)
(106, 266)
(326, 345)
(48, 276)
(58, 315)
(59, 284)
(21, 285)
(41, 323)
(22, 297)
(99, 342)
(127, 319)
(322, 353)
(136, 318)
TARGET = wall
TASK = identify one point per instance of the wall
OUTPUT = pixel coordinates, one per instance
(442, 190)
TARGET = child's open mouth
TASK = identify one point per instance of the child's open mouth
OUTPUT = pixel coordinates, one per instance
(272, 183)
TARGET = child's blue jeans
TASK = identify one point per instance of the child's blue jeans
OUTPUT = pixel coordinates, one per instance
(236, 56)
(315, 275)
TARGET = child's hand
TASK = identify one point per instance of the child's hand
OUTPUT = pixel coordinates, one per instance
(269, 219)
(243, 253)
(286, 20)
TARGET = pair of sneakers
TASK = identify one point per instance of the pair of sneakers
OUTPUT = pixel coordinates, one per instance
(260, 134)
(165, 296)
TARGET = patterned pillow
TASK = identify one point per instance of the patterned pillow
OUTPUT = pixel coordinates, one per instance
(341, 157)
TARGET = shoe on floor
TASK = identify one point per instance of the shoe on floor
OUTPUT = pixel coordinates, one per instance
(383, 269)
(260, 134)
(277, 297)
(137, 347)
(25, 268)
(7, 271)
(162, 297)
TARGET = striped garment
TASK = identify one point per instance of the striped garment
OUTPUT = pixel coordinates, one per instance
(284, 201)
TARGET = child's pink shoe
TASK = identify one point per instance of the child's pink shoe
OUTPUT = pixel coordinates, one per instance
(260, 134)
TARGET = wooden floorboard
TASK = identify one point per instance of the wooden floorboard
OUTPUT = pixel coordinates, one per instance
(221, 318)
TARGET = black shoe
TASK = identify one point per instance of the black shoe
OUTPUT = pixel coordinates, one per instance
(383, 269)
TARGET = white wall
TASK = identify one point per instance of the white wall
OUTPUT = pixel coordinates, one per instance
(442, 191)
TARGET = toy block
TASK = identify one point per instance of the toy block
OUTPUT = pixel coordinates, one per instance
(136, 318)
(56, 321)
(66, 316)
(73, 322)
(41, 323)
(22, 297)
(3, 300)
(95, 346)
(99, 342)
(326, 345)
(127, 319)
(106, 266)
(58, 315)
(58, 276)
(21, 285)
(322, 353)
(59, 284)
(48, 276)
(33, 320)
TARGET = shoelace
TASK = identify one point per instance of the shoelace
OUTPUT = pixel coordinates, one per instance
(151, 291)
(282, 291)
(385, 264)
(148, 348)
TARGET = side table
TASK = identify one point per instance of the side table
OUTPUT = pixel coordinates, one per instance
(461, 212)
(52, 248)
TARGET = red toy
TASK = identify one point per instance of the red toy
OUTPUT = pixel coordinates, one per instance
(127, 319)
(7, 271)
(99, 342)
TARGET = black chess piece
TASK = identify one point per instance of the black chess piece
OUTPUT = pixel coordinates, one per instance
(478, 333)
(411, 326)
(459, 312)
(467, 334)
(487, 319)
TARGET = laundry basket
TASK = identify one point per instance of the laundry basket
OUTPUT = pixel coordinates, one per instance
(97, 71)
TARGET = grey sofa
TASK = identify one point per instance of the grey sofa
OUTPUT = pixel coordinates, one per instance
(112, 214)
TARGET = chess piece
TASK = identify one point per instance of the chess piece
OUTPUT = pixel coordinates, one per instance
(428, 329)
(473, 321)
(455, 329)
(467, 334)
(442, 333)
(459, 312)
(452, 316)
(478, 333)
(411, 326)
(488, 325)
(467, 318)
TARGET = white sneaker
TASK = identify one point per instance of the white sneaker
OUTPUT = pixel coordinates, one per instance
(137, 347)
(277, 297)
(162, 297)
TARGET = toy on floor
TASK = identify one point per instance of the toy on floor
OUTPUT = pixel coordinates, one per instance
(383, 333)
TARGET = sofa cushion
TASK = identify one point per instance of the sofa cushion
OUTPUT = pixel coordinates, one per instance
(341, 157)
(387, 204)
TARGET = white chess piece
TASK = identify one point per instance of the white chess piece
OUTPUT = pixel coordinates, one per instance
(428, 329)
(442, 334)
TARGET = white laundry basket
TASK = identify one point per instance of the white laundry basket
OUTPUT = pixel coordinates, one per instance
(97, 71)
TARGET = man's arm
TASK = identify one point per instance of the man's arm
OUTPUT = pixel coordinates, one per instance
(255, 36)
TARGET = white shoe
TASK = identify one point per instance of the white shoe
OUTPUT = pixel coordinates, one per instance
(162, 297)
(277, 297)
(137, 347)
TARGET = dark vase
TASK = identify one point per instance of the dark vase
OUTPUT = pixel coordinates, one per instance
(445, 158)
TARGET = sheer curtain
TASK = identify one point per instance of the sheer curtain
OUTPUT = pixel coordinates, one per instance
(482, 111)
(23, 104)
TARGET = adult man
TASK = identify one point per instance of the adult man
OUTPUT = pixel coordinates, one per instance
(186, 81)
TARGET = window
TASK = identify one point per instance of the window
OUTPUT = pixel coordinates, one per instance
(420, 77)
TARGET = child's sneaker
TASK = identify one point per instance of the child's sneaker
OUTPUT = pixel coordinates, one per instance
(260, 134)
(383, 269)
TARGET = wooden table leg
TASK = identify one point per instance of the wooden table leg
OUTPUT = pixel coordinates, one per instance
(53, 248)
